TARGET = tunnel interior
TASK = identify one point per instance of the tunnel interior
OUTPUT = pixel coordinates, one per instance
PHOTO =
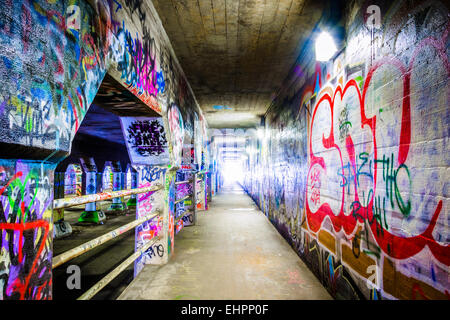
(158, 143)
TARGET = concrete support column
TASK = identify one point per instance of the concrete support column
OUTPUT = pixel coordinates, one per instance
(192, 218)
(212, 171)
(61, 228)
(117, 203)
(91, 214)
(26, 222)
(169, 212)
(208, 188)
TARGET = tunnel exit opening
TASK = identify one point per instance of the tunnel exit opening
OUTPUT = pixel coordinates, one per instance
(233, 171)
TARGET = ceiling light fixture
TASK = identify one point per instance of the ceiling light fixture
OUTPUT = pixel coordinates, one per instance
(325, 47)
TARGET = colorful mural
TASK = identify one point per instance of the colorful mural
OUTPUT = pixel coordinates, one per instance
(53, 58)
(353, 165)
(72, 180)
(26, 193)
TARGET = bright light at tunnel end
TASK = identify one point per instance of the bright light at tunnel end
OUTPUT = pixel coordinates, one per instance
(325, 47)
(260, 133)
(233, 171)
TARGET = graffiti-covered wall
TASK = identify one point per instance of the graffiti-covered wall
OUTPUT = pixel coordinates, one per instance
(55, 54)
(26, 191)
(355, 155)
(53, 58)
(52, 63)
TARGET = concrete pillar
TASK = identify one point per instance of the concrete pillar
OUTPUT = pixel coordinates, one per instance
(209, 183)
(61, 228)
(90, 214)
(117, 203)
(205, 190)
(194, 197)
(187, 206)
(201, 191)
(192, 218)
(26, 221)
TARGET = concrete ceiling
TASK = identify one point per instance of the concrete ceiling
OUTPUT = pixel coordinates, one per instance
(236, 53)
(112, 96)
(111, 102)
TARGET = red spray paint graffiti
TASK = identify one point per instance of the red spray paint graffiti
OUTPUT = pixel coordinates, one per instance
(395, 246)
(24, 234)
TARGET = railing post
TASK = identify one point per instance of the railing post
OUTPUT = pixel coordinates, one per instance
(201, 192)
(91, 214)
(169, 211)
(192, 216)
(117, 203)
(184, 205)
(211, 182)
(61, 228)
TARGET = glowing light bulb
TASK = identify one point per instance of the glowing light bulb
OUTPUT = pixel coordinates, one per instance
(260, 133)
(325, 47)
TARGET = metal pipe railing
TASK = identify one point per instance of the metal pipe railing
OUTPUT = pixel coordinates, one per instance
(183, 182)
(182, 199)
(110, 276)
(85, 247)
(75, 252)
(66, 203)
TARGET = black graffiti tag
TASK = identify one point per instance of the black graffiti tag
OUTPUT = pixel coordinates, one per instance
(156, 250)
(147, 137)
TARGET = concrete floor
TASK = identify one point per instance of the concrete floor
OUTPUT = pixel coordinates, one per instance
(232, 253)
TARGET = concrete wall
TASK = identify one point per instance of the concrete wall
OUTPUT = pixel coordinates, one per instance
(54, 55)
(52, 65)
(353, 167)
(53, 58)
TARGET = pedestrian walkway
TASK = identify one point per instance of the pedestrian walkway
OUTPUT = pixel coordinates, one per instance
(233, 252)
